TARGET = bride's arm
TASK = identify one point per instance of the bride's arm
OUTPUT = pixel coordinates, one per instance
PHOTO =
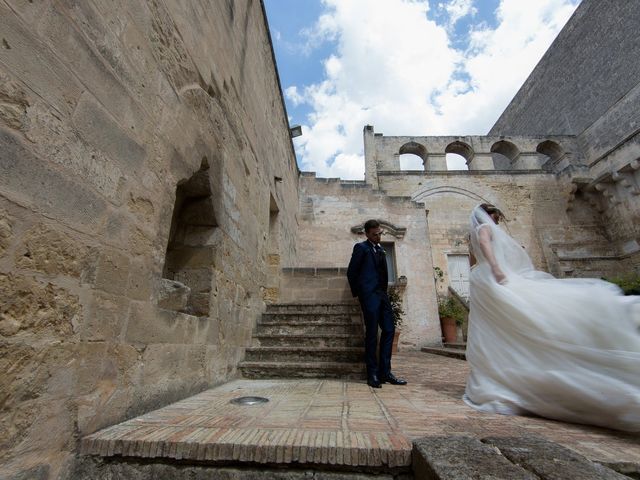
(484, 239)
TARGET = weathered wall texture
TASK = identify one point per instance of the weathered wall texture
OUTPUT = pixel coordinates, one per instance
(106, 108)
(582, 75)
(329, 208)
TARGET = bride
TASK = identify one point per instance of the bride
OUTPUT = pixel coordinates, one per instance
(566, 349)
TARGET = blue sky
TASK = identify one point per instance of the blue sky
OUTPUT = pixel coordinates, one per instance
(407, 67)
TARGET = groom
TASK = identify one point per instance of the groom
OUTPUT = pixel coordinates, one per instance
(368, 278)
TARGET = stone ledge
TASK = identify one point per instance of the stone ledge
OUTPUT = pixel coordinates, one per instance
(462, 458)
(550, 461)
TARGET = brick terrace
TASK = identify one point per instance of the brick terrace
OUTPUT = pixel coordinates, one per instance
(335, 422)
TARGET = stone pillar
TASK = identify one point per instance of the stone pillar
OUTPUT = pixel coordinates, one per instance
(370, 156)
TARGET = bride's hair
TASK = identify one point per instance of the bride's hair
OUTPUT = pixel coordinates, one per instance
(491, 209)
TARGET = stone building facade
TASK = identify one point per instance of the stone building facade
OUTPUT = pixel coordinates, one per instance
(151, 206)
(148, 184)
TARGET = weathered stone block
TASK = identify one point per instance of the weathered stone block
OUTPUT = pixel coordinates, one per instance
(112, 272)
(271, 295)
(43, 72)
(31, 180)
(139, 242)
(31, 306)
(13, 107)
(105, 318)
(173, 295)
(51, 252)
(99, 129)
(6, 231)
(462, 458)
(148, 325)
(140, 285)
(549, 460)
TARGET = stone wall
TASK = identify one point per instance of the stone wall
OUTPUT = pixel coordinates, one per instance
(332, 212)
(529, 200)
(583, 74)
(107, 113)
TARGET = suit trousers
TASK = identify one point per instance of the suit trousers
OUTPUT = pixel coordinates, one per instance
(376, 310)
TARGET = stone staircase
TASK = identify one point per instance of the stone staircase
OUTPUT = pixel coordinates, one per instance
(454, 350)
(307, 341)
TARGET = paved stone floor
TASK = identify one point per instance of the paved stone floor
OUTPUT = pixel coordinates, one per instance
(339, 422)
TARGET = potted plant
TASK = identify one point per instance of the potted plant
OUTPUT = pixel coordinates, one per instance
(395, 299)
(451, 316)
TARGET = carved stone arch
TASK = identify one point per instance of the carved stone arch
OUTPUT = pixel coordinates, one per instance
(551, 149)
(461, 148)
(414, 148)
(426, 192)
(504, 154)
(387, 227)
(506, 148)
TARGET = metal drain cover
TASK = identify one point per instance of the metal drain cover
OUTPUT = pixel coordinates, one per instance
(249, 400)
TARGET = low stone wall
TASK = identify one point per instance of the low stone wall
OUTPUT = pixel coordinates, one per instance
(315, 285)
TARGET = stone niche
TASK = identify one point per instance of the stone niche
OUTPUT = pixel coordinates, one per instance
(188, 266)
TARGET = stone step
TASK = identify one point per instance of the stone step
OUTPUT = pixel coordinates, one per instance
(337, 308)
(459, 346)
(309, 340)
(447, 352)
(342, 370)
(305, 354)
(310, 318)
(309, 329)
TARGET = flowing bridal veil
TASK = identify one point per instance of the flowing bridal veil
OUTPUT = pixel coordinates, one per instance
(567, 349)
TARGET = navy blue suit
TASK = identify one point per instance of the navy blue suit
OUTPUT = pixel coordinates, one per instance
(368, 277)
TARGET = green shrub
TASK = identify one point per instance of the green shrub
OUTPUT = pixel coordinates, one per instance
(630, 284)
(450, 307)
(396, 306)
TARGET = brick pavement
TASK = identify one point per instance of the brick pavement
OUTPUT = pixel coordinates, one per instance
(335, 422)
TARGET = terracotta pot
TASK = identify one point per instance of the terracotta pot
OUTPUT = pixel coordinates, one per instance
(449, 329)
(394, 345)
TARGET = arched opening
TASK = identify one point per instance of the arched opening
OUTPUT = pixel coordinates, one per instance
(458, 156)
(188, 266)
(409, 161)
(412, 156)
(553, 151)
(504, 154)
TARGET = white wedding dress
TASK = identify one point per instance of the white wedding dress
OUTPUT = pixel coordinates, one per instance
(566, 349)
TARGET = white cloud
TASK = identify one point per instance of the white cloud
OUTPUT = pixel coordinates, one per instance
(396, 69)
(458, 9)
(292, 94)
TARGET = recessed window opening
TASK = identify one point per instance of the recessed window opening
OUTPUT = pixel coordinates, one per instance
(189, 256)
(390, 256)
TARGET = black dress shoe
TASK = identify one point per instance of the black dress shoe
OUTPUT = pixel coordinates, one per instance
(393, 380)
(374, 382)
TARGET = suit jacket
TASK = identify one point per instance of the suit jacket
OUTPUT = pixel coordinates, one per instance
(367, 272)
